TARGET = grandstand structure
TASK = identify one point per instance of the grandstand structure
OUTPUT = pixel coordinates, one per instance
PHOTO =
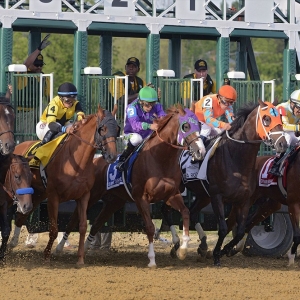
(155, 20)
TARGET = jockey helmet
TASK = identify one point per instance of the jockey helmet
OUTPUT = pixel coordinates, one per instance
(295, 97)
(228, 92)
(67, 89)
(148, 94)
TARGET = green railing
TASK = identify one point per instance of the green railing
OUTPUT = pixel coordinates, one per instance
(30, 95)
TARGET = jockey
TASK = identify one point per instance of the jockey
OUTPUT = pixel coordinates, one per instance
(211, 107)
(140, 115)
(290, 116)
(58, 112)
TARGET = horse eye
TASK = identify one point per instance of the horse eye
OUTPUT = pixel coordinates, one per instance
(186, 127)
(266, 120)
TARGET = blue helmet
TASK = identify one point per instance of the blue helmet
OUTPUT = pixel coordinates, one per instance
(67, 89)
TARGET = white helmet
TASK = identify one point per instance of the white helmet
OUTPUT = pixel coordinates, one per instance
(295, 97)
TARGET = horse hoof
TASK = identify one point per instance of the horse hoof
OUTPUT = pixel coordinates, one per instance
(181, 253)
(79, 265)
(152, 266)
(202, 252)
(209, 254)
(201, 259)
(173, 253)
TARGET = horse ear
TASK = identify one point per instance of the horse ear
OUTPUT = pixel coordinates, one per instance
(100, 110)
(115, 110)
(261, 103)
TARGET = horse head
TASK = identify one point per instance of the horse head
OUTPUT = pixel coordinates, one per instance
(269, 126)
(188, 133)
(17, 184)
(7, 123)
(261, 122)
(106, 134)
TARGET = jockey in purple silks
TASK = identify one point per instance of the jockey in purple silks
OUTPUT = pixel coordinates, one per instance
(140, 115)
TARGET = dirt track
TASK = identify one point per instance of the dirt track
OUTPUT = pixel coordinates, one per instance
(123, 274)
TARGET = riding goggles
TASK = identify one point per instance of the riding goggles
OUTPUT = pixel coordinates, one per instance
(225, 101)
(148, 104)
(297, 105)
(38, 65)
(69, 100)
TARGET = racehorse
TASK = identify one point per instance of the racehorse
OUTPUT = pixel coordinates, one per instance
(15, 181)
(68, 171)
(155, 176)
(230, 170)
(268, 200)
(7, 122)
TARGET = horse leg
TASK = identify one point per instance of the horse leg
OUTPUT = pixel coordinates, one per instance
(82, 204)
(294, 212)
(5, 230)
(70, 226)
(19, 222)
(241, 217)
(177, 203)
(195, 209)
(218, 208)
(107, 211)
(52, 206)
(144, 209)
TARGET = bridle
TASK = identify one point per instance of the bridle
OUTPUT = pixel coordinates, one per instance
(98, 138)
(11, 191)
(7, 131)
(266, 136)
(188, 144)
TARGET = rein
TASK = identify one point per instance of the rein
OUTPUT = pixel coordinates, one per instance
(172, 145)
(268, 141)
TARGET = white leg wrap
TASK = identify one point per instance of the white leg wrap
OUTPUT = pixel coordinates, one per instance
(182, 250)
(200, 231)
(241, 244)
(62, 239)
(175, 237)
(88, 242)
(15, 239)
(151, 256)
(291, 258)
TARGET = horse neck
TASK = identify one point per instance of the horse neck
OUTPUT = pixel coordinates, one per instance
(82, 146)
(5, 161)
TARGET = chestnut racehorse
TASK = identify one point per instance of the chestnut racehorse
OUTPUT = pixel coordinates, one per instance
(155, 175)
(69, 175)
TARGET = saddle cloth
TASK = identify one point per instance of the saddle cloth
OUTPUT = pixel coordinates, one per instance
(265, 179)
(43, 153)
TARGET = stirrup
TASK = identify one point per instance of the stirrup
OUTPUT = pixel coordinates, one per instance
(275, 172)
(121, 166)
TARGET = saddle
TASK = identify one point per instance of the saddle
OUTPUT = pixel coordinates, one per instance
(42, 154)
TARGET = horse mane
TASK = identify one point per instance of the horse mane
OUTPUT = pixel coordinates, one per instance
(4, 100)
(170, 112)
(241, 116)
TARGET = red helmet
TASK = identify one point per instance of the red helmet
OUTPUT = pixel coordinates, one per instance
(228, 92)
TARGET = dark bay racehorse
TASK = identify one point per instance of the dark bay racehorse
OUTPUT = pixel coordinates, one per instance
(231, 173)
(15, 182)
(269, 199)
(156, 175)
(14, 172)
(7, 123)
(69, 174)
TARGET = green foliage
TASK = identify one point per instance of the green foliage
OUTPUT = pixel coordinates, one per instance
(59, 56)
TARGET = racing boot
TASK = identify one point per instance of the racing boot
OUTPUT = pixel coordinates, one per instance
(279, 162)
(123, 157)
(48, 136)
